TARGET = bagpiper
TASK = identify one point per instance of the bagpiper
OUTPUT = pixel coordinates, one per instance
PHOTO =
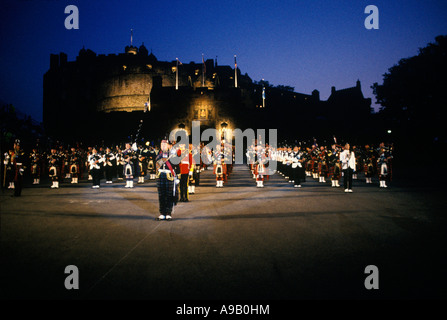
(219, 166)
(108, 164)
(130, 158)
(9, 171)
(323, 167)
(36, 167)
(74, 160)
(166, 182)
(309, 162)
(260, 167)
(369, 163)
(95, 160)
(142, 163)
(315, 156)
(18, 168)
(335, 169)
(151, 169)
(297, 167)
(119, 163)
(128, 171)
(54, 168)
(384, 165)
(65, 157)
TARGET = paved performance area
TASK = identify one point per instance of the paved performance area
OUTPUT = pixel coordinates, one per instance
(236, 242)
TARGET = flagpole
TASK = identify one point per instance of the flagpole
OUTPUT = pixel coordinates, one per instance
(203, 71)
(176, 76)
(263, 96)
(235, 72)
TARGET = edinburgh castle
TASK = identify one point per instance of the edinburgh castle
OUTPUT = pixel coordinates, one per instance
(108, 97)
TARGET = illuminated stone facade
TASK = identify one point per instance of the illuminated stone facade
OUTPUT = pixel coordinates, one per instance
(106, 97)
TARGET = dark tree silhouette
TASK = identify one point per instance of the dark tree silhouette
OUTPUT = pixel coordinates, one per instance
(413, 96)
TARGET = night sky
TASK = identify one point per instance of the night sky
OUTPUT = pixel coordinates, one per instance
(303, 44)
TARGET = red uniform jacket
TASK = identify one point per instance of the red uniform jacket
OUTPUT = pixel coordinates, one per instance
(186, 163)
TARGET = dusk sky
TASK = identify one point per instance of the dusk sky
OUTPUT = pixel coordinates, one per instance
(303, 44)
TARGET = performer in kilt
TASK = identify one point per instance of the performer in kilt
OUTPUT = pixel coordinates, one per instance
(119, 163)
(151, 169)
(128, 170)
(95, 161)
(334, 166)
(142, 154)
(297, 167)
(384, 165)
(219, 166)
(36, 166)
(108, 164)
(309, 162)
(315, 161)
(65, 156)
(369, 163)
(18, 168)
(131, 164)
(260, 167)
(74, 160)
(54, 168)
(166, 182)
(323, 166)
(9, 171)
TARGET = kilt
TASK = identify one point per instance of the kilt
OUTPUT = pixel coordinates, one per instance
(166, 197)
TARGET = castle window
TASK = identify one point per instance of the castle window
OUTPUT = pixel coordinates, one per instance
(196, 72)
(149, 66)
(124, 67)
(174, 69)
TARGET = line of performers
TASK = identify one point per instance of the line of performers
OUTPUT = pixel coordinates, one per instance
(333, 163)
(60, 165)
(133, 162)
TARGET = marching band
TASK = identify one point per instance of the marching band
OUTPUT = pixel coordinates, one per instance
(295, 162)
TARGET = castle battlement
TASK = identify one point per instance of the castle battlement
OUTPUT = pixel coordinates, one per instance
(97, 88)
